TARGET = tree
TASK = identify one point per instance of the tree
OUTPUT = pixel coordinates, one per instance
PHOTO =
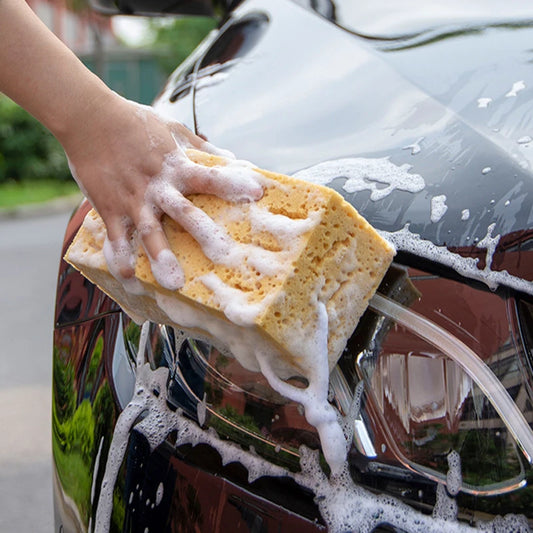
(178, 38)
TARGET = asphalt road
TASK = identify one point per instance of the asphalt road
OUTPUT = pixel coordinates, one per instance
(29, 258)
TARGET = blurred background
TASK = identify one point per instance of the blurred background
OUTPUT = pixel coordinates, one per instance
(133, 56)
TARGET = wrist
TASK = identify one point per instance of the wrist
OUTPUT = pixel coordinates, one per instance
(85, 118)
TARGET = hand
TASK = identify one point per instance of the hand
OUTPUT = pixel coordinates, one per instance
(131, 165)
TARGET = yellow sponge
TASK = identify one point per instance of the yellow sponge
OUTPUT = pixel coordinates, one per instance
(299, 244)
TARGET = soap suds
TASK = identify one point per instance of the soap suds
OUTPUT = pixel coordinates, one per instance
(234, 302)
(483, 102)
(318, 411)
(120, 259)
(159, 494)
(167, 271)
(407, 241)
(516, 88)
(415, 147)
(286, 229)
(379, 176)
(438, 207)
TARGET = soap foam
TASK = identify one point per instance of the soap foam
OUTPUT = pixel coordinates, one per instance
(167, 271)
(415, 147)
(318, 411)
(234, 302)
(120, 257)
(483, 102)
(516, 88)
(438, 208)
(379, 176)
(407, 241)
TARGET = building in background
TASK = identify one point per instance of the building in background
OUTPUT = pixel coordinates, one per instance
(80, 30)
(131, 72)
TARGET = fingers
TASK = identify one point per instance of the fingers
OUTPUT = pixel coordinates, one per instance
(165, 267)
(214, 241)
(119, 253)
(186, 137)
(235, 182)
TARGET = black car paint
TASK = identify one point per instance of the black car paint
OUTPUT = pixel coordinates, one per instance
(333, 96)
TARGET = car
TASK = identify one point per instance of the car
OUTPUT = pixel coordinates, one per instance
(421, 116)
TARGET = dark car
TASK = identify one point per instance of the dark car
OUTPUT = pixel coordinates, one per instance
(421, 115)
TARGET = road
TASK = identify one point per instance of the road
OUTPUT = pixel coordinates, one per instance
(29, 252)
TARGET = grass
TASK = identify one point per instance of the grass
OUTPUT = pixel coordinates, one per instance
(14, 194)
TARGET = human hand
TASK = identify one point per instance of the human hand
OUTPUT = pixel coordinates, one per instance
(131, 165)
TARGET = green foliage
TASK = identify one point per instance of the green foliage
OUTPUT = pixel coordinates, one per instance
(28, 151)
(80, 431)
(16, 193)
(64, 394)
(78, 428)
(179, 38)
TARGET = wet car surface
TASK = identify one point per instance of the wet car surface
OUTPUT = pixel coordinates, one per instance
(425, 125)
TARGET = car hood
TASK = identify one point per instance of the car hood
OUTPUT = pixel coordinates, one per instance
(427, 132)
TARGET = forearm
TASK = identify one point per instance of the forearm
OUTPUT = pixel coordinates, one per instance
(41, 74)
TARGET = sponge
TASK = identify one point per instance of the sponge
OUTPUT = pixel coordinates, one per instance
(298, 245)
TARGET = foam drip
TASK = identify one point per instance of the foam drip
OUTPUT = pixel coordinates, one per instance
(318, 411)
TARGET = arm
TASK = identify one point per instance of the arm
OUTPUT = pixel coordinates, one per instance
(128, 161)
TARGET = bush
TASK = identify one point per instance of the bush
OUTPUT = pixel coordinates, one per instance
(28, 151)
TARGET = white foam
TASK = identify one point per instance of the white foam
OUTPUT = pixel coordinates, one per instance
(454, 477)
(483, 102)
(415, 147)
(286, 229)
(167, 271)
(438, 207)
(318, 411)
(465, 214)
(516, 88)
(466, 266)
(120, 257)
(379, 176)
(159, 494)
(234, 302)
